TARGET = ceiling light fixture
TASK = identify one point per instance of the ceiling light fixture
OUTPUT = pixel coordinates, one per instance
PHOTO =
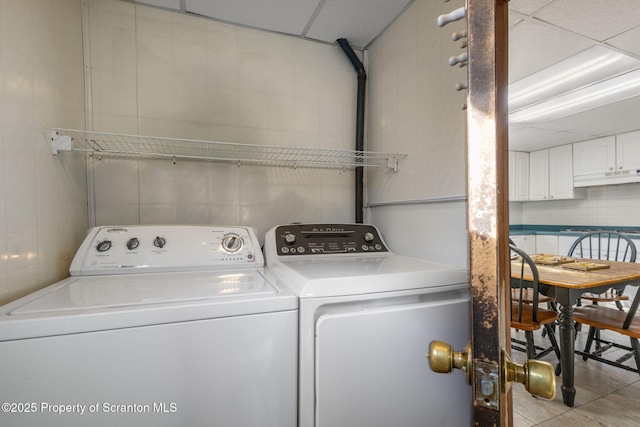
(605, 92)
(583, 69)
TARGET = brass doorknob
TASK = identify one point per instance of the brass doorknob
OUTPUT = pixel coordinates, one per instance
(537, 377)
(442, 359)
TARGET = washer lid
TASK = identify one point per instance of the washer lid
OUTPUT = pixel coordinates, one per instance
(130, 290)
(83, 304)
(319, 277)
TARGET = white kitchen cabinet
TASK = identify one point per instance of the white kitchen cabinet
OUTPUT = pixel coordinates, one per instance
(561, 173)
(594, 156)
(610, 160)
(551, 174)
(547, 244)
(518, 176)
(628, 151)
(526, 242)
(539, 175)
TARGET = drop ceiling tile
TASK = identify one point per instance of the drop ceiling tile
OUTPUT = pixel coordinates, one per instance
(532, 139)
(534, 46)
(606, 120)
(359, 21)
(285, 16)
(514, 19)
(628, 41)
(528, 7)
(599, 19)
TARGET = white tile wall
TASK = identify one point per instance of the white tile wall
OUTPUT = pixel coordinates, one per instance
(414, 109)
(186, 77)
(613, 205)
(43, 204)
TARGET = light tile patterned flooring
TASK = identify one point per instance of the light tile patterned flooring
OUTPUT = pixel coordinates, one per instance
(605, 395)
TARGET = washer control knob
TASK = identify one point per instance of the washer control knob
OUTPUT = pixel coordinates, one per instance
(231, 243)
(133, 243)
(159, 242)
(104, 246)
(289, 238)
(368, 237)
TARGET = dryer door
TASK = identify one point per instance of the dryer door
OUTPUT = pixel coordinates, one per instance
(371, 370)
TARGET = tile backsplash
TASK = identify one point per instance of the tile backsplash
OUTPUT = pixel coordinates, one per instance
(612, 205)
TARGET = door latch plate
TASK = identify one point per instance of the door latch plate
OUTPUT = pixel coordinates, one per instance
(487, 390)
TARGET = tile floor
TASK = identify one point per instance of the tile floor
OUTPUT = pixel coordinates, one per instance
(605, 395)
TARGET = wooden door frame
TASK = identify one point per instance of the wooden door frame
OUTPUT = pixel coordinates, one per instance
(488, 204)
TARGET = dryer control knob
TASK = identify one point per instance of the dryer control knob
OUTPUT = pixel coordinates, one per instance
(289, 238)
(159, 242)
(368, 237)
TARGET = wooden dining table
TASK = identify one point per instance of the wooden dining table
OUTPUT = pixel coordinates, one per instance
(566, 286)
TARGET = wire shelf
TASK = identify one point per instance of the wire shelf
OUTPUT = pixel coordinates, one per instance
(101, 144)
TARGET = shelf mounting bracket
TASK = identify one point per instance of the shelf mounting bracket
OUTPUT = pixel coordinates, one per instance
(57, 142)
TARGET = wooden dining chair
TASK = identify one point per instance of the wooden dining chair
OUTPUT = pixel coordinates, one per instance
(530, 317)
(600, 317)
(528, 298)
(607, 245)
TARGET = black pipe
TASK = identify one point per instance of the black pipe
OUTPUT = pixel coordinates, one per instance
(362, 79)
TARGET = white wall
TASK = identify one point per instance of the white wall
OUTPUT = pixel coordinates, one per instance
(612, 205)
(432, 231)
(43, 207)
(161, 73)
(414, 109)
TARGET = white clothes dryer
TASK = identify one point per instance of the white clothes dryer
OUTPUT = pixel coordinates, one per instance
(366, 317)
(157, 326)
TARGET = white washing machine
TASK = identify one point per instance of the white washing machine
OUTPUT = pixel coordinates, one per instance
(157, 326)
(366, 317)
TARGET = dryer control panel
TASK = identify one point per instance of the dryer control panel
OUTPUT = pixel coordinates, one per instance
(319, 239)
(142, 249)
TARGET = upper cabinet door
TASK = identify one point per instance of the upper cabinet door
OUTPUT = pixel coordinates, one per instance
(539, 175)
(628, 151)
(561, 172)
(513, 179)
(518, 176)
(594, 156)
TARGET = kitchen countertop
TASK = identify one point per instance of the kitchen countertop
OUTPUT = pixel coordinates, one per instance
(568, 230)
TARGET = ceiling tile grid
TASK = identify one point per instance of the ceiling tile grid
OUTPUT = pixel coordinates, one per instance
(544, 33)
(628, 41)
(534, 46)
(284, 16)
(596, 19)
(359, 21)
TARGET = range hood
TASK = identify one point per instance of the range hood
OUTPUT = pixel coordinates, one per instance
(607, 178)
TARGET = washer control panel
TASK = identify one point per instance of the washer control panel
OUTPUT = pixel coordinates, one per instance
(319, 239)
(115, 250)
